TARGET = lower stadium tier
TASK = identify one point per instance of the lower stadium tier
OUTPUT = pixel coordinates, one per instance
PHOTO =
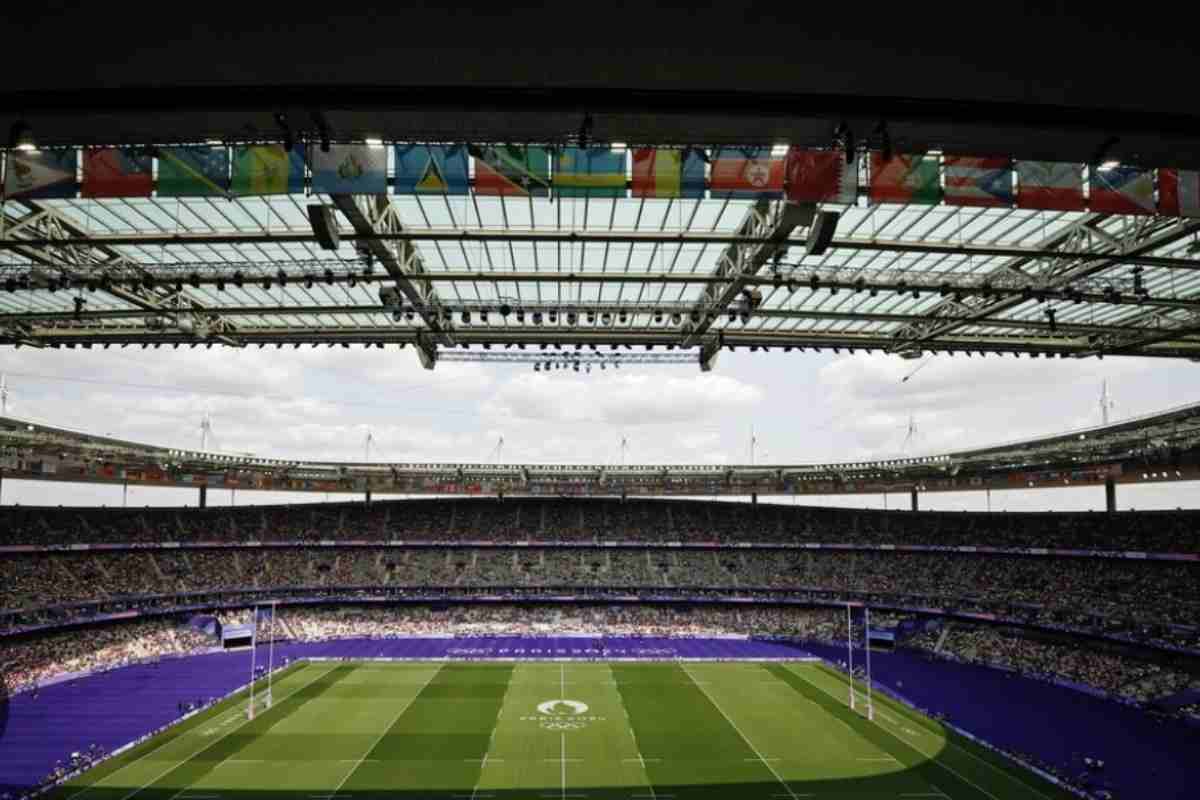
(1149, 600)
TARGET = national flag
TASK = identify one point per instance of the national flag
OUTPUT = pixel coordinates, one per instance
(663, 172)
(979, 181)
(350, 169)
(268, 169)
(40, 173)
(192, 171)
(1050, 185)
(1179, 192)
(512, 171)
(746, 173)
(117, 172)
(1121, 190)
(431, 169)
(905, 179)
(590, 172)
(820, 176)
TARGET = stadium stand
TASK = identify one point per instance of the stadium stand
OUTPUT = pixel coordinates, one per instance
(589, 520)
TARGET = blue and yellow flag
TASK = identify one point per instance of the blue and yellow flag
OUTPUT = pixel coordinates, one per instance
(260, 169)
(431, 169)
(589, 173)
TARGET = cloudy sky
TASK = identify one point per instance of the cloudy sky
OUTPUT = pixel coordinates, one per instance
(802, 408)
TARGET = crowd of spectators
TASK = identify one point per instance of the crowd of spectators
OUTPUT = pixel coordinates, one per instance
(1120, 674)
(593, 520)
(1136, 599)
(29, 661)
(613, 620)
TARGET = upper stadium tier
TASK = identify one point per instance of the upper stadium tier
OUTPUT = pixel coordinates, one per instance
(1155, 447)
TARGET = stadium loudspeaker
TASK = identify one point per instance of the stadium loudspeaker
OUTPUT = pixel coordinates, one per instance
(324, 225)
(821, 233)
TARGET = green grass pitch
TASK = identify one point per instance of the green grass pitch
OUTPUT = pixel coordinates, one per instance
(571, 731)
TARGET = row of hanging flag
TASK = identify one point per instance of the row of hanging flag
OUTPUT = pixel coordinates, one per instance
(801, 175)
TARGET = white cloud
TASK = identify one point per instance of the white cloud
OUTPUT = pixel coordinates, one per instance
(625, 400)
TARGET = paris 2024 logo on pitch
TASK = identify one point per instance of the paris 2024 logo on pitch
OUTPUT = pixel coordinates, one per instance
(563, 715)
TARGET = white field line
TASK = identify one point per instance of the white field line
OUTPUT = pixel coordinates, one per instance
(383, 733)
(483, 762)
(223, 760)
(636, 746)
(227, 712)
(950, 741)
(932, 758)
(733, 724)
(177, 764)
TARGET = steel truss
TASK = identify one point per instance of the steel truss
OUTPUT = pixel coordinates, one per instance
(696, 275)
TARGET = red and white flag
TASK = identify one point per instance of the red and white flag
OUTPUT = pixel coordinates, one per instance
(820, 176)
(1050, 185)
(1121, 190)
(1179, 192)
(979, 181)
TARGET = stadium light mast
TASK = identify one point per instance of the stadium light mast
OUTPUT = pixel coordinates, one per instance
(205, 431)
(1106, 402)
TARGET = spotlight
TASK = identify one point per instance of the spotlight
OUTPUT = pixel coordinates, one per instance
(505, 309)
(282, 277)
(572, 318)
(658, 315)
(194, 280)
(520, 315)
(328, 277)
(1050, 317)
(537, 318)
(553, 316)
(694, 317)
(623, 317)
(465, 317)
(606, 318)
(266, 284)
(591, 317)
(676, 319)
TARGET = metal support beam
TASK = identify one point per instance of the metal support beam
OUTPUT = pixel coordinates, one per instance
(1110, 495)
(203, 497)
(765, 229)
(373, 216)
(518, 236)
(1060, 268)
(916, 506)
(70, 253)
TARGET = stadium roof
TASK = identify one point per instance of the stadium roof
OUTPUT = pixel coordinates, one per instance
(609, 273)
(1155, 447)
